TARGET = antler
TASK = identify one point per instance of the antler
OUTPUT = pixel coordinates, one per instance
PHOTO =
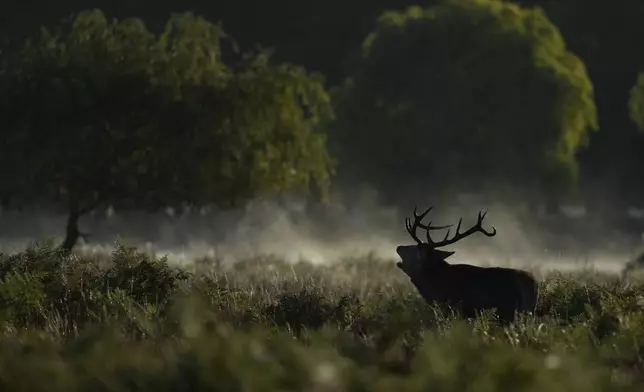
(478, 227)
(411, 228)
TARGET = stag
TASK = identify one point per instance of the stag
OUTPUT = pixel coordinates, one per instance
(465, 288)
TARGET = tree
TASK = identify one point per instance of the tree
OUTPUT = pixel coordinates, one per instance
(606, 36)
(315, 34)
(466, 94)
(106, 113)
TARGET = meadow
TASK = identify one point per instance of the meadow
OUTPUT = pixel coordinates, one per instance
(132, 322)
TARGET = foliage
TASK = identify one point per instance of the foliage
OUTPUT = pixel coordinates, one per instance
(129, 322)
(474, 92)
(320, 35)
(105, 112)
(314, 34)
(606, 38)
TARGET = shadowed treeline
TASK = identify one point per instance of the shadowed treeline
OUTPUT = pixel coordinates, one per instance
(530, 101)
(319, 35)
(315, 34)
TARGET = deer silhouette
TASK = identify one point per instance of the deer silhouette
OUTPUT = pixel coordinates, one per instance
(465, 288)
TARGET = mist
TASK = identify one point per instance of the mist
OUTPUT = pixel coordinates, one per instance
(354, 224)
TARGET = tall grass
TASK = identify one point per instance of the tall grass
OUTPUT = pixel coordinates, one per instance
(132, 322)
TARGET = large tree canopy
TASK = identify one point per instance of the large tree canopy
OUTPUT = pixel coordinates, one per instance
(469, 93)
(102, 112)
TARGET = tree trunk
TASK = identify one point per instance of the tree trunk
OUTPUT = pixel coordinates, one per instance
(72, 233)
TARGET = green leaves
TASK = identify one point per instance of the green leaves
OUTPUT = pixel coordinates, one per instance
(106, 112)
(467, 94)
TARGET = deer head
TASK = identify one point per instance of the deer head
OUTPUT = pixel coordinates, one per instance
(424, 255)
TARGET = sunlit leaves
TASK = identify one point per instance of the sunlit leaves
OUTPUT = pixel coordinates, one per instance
(465, 94)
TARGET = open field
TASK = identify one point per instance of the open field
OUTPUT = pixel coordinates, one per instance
(128, 322)
(226, 188)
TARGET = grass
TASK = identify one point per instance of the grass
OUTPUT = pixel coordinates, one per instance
(133, 323)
